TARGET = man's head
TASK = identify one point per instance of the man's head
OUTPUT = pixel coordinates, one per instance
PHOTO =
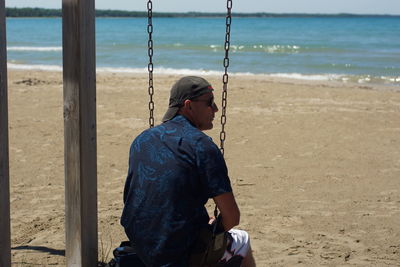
(192, 97)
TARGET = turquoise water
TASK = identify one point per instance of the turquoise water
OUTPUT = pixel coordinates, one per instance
(357, 49)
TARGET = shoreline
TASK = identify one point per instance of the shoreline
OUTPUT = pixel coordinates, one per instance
(277, 77)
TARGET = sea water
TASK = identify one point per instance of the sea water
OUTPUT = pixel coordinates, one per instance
(348, 49)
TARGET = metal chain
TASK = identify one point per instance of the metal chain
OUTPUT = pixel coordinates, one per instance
(150, 65)
(225, 76)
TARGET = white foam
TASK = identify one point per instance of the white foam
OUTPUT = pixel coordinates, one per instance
(34, 67)
(320, 77)
(178, 72)
(202, 72)
(187, 71)
(160, 71)
(119, 70)
(122, 70)
(33, 48)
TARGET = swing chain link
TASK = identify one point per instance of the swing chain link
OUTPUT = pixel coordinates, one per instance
(225, 77)
(150, 65)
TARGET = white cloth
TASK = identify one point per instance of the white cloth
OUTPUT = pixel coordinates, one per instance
(238, 245)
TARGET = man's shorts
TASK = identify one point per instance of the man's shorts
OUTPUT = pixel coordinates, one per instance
(238, 246)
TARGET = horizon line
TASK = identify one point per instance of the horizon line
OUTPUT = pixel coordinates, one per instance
(209, 13)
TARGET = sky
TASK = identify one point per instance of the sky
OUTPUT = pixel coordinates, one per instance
(390, 7)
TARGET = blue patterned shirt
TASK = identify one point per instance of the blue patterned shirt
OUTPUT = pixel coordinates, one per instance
(174, 169)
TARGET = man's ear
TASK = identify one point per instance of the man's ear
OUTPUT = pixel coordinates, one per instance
(187, 104)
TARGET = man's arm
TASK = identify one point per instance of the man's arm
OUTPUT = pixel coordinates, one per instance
(229, 210)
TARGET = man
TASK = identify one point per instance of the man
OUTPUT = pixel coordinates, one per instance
(174, 169)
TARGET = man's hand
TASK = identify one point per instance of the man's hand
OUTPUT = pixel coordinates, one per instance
(212, 219)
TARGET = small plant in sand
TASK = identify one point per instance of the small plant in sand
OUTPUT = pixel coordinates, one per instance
(104, 252)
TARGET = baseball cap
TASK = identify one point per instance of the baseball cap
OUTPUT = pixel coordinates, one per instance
(188, 87)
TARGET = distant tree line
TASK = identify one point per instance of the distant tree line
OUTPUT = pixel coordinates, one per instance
(44, 12)
(32, 12)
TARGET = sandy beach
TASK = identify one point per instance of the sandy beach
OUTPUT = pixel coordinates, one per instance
(315, 166)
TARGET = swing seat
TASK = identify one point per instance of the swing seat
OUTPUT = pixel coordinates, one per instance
(208, 250)
(125, 256)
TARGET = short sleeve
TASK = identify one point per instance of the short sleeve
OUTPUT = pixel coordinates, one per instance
(212, 168)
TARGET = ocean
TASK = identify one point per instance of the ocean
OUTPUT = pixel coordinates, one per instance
(346, 49)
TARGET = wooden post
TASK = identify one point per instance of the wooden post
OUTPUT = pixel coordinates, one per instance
(5, 243)
(79, 76)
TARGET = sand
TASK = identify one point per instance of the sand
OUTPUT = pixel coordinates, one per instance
(315, 166)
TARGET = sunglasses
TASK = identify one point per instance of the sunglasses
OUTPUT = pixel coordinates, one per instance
(209, 102)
